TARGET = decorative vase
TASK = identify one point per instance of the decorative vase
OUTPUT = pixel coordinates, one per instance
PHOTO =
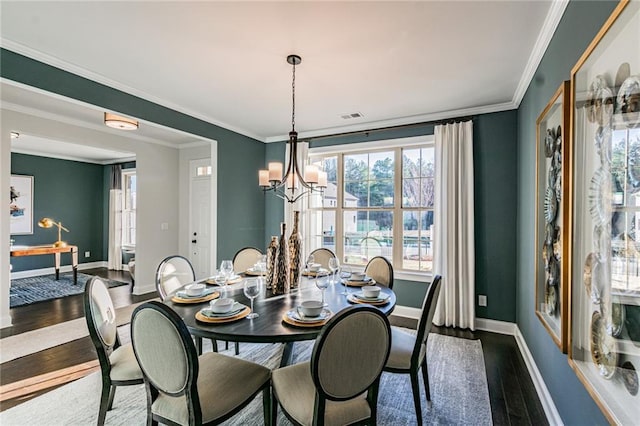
(295, 251)
(272, 253)
(281, 283)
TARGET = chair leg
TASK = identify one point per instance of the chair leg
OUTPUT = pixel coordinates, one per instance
(274, 408)
(425, 377)
(237, 348)
(198, 341)
(226, 345)
(104, 402)
(214, 343)
(112, 394)
(415, 387)
(266, 405)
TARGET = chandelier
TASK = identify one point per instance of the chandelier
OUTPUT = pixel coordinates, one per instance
(287, 186)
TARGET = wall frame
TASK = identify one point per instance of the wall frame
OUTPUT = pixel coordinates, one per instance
(552, 221)
(604, 325)
(21, 205)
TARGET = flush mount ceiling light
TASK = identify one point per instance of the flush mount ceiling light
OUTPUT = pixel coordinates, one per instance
(15, 135)
(120, 122)
(313, 179)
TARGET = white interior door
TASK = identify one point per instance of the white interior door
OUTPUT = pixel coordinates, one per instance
(200, 217)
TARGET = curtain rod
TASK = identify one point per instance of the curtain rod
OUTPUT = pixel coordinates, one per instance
(388, 128)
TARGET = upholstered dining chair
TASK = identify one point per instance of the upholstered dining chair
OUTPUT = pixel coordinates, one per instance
(409, 352)
(245, 258)
(172, 273)
(381, 270)
(182, 387)
(322, 256)
(118, 363)
(340, 384)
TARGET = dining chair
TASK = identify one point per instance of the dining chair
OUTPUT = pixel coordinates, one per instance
(339, 385)
(173, 272)
(118, 363)
(322, 256)
(409, 352)
(380, 269)
(182, 387)
(245, 258)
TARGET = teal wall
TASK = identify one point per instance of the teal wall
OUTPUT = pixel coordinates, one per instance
(240, 200)
(580, 23)
(494, 155)
(66, 191)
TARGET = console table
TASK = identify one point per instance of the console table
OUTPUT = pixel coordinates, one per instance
(55, 251)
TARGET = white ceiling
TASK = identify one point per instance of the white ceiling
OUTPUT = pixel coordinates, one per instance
(225, 62)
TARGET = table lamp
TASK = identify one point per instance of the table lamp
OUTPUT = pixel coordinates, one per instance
(46, 222)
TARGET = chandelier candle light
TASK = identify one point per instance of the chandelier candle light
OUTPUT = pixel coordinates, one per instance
(272, 179)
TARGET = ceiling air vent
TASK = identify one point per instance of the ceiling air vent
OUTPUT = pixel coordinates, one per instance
(351, 116)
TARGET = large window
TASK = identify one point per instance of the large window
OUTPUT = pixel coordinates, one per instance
(379, 202)
(128, 208)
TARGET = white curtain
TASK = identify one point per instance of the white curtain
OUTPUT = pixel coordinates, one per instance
(114, 259)
(454, 254)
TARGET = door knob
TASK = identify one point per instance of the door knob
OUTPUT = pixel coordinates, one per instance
(194, 241)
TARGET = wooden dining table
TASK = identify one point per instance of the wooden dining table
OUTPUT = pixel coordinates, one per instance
(269, 326)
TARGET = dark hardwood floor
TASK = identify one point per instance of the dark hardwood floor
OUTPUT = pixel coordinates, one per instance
(513, 397)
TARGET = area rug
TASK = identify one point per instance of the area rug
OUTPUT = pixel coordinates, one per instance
(25, 291)
(459, 392)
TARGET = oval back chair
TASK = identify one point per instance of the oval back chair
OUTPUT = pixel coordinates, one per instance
(118, 364)
(322, 256)
(381, 270)
(343, 374)
(245, 258)
(173, 272)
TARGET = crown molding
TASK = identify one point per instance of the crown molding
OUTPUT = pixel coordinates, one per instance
(402, 121)
(99, 78)
(549, 27)
(37, 153)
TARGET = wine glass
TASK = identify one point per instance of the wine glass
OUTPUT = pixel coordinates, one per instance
(226, 268)
(310, 260)
(221, 283)
(252, 288)
(334, 265)
(322, 283)
(345, 274)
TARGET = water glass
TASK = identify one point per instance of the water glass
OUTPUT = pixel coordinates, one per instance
(334, 264)
(345, 274)
(322, 283)
(226, 268)
(252, 288)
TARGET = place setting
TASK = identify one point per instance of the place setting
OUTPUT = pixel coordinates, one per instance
(225, 309)
(259, 269)
(195, 293)
(310, 313)
(358, 279)
(370, 294)
(225, 275)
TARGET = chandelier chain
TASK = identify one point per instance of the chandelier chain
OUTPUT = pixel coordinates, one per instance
(293, 99)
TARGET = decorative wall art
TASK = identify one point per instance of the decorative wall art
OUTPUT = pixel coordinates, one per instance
(552, 220)
(21, 205)
(604, 327)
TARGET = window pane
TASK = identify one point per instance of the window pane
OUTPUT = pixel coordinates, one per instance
(427, 192)
(322, 228)
(410, 163)
(417, 243)
(328, 198)
(367, 234)
(381, 193)
(410, 192)
(428, 162)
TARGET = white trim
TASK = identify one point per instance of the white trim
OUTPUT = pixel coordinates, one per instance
(414, 119)
(69, 157)
(367, 146)
(419, 277)
(99, 78)
(52, 270)
(407, 312)
(494, 326)
(541, 388)
(549, 27)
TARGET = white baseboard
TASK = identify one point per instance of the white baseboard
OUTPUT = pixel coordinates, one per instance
(541, 388)
(407, 312)
(494, 326)
(52, 270)
(139, 290)
(5, 321)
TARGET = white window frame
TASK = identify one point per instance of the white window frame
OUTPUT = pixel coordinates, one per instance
(383, 145)
(126, 244)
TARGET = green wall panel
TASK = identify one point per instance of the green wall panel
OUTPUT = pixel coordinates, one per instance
(580, 23)
(68, 191)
